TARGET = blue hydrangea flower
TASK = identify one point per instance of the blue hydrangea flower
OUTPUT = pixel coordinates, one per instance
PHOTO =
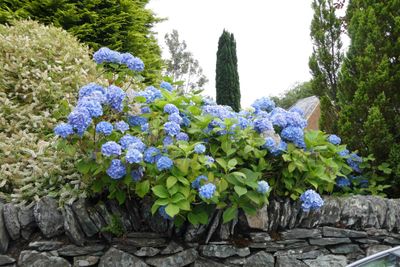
(172, 128)
(150, 93)
(145, 128)
(342, 182)
(133, 63)
(111, 148)
(167, 86)
(182, 137)
(95, 109)
(89, 89)
(115, 97)
(170, 109)
(137, 174)
(116, 170)
(311, 200)
(262, 124)
(294, 135)
(279, 119)
(218, 111)
(297, 110)
(263, 187)
(164, 163)
(175, 117)
(145, 110)
(80, 119)
(163, 213)
(128, 139)
(269, 143)
(105, 54)
(264, 103)
(334, 139)
(168, 140)
(104, 127)
(276, 151)
(151, 155)
(133, 155)
(136, 120)
(63, 130)
(122, 126)
(199, 149)
(96, 96)
(207, 191)
(294, 119)
(196, 182)
(244, 123)
(209, 160)
(186, 121)
(137, 144)
(354, 161)
(344, 153)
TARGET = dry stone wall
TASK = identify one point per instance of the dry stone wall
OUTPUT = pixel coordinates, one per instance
(344, 230)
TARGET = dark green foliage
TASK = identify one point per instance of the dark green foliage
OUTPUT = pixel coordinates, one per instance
(369, 96)
(325, 60)
(123, 25)
(227, 76)
(290, 97)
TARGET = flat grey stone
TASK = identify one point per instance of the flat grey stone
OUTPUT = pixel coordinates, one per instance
(27, 221)
(141, 242)
(391, 241)
(195, 233)
(235, 261)
(273, 247)
(5, 260)
(260, 237)
(340, 232)
(83, 261)
(376, 248)
(392, 215)
(260, 220)
(258, 245)
(86, 223)
(48, 217)
(346, 249)
(328, 261)
(4, 238)
(223, 251)
(300, 233)
(10, 215)
(182, 258)
(71, 227)
(203, 262)
(172, 248)
(289, 261)
(311, 254)
(45, 245)
(378, 206)
(329, 241)
(330, 211)
(374, 232)
(295, 252)
(116, 258)
(260, 259)
(142, 235)
(355, 211)
(73, 251)
(367, 241)
(31, 258)
(146, 252)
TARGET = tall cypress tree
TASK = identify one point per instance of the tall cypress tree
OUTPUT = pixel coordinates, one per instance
(227, 76)
(123, 25)
(369, 98)
(325, 60)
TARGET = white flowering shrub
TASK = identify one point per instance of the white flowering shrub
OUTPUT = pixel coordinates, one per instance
(42, 68)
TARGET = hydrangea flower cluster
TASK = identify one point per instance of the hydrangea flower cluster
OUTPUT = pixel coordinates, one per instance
(197, 181)
(167, 86)
(117, 169)
(311, 200)
(263, 187)
(164, 163)
(207, 191)
(122, 126)
(354, 161)
(263, 104)
(111, 148)
(334, 139)
(172, 128)
(151, 155)
(343, 182)
(104, 127)
(133, 155)
(150, 94)
(199, 149)
(106, 55)
(64, 130)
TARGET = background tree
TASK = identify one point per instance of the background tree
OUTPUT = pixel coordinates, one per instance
(184, 69)
(290, 97)
(227, 76)
(123, 25)
(326, 59)
(369, 98)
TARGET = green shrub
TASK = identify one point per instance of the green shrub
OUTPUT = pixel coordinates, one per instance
(41, 69)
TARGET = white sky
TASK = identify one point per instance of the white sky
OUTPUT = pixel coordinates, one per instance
(272, 37)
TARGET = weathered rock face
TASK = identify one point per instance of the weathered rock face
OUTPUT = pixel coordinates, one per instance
(344, 230)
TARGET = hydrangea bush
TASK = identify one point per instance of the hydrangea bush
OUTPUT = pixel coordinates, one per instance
(191, 154)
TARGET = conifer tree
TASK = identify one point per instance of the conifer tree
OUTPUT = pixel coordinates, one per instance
(123, 25)
(369, 98)
(227, 76)
(326, 59)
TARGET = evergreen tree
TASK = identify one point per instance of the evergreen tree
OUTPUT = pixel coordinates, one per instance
(369, 98)
(326, 59)
(123, 25)
(227, 76)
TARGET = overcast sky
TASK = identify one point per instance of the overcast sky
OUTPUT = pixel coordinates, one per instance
(273, 39)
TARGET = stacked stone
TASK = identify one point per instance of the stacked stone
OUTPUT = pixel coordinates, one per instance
(344, 230)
